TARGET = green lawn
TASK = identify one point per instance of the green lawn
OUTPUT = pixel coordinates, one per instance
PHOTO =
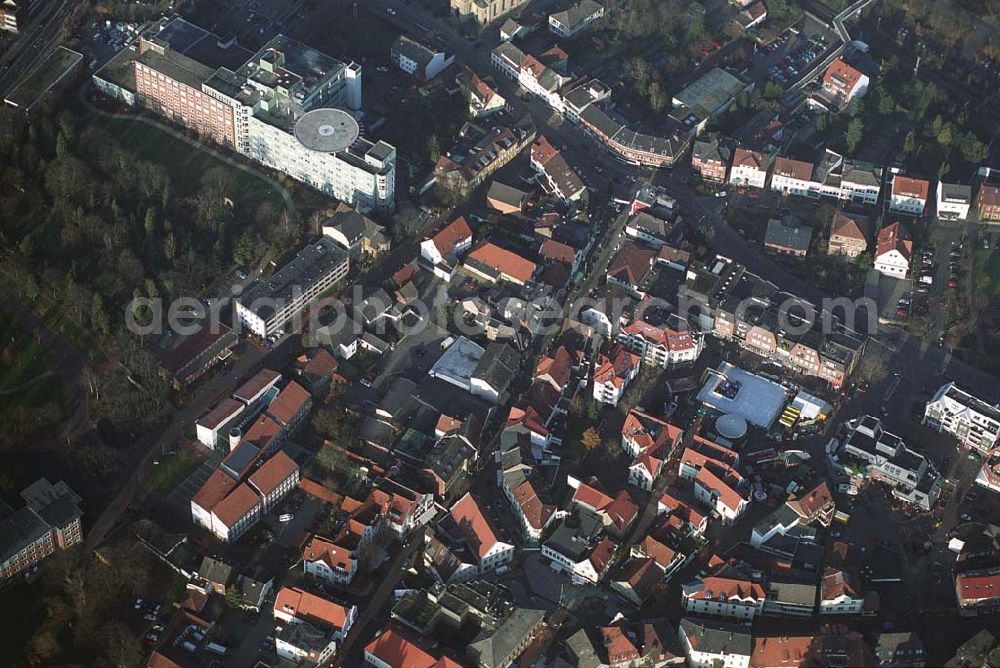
(22, 360)
(986, 272)
(170, 471)
(184, 162)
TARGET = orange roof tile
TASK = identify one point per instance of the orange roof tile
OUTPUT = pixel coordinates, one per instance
(795, 169)
(894, 237)
(238, 504)
(716, 588)
(906, 186)
(256, 385)
(617, 645)
(322, 549)
(744, 158)
(396, 651)
(449, 236)
(273, 472)
(504, 261)
(536, 512)
(591, 497)
(262, 432)
(214, 490)
(310, 608)
(841, 75)
(973, 588)
(292, 399)
(475, 528)
(781, 652)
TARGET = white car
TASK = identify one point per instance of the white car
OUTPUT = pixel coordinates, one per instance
(390, 11)
(722, 193)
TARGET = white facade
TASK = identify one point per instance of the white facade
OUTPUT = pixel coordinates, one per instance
(369, 181)
(319, 568)
(227, 533)
(640, 475)
(560, 563)
(714, 500)
(845, 604)
(892, 263)
(972, 421)
(731, 608)
(952, 208)
(747, 175)
(790, 185)
(501, 553)
(906, 204)
(699, 656)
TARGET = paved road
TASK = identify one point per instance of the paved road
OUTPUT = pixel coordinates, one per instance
(33, 44)
(347, 655)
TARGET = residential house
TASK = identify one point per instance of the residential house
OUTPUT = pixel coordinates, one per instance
(710, 644)
(790, 599)
(500, 646)
(630, 266)
(849, 234)
(787, 236)
(543, 75)
(838, 594)
(710, 158)
(575, 547)
(472, 523)
(988, 203)
(613, 375)
(391, 650)
(649, 229)
(325, 559)
(418, 59)
(893, 250)
(899, 649)
(356, 232)
(484, 100)
(492, 263)
(661, 339)
(974, 422)
(484, 12)
(559, 177)
(953, 201)
(792, 177)
(978, 591)
(909, 195)
(447, 243)
(575, 19)
(723, 597)
(842, 83)
(479, 152)
(297, 606)
(752, 16)
(533, 514)
(749, 169)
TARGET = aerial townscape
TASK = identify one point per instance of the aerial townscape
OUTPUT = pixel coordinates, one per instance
(496, 333)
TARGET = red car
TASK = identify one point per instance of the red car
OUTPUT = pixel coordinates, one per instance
(902, 313)
(953, 284)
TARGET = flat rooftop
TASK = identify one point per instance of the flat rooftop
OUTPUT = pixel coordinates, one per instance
(312, 263)
(735, 391)
(710, 92)
(459, 362)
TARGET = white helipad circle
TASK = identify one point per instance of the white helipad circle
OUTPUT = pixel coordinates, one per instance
(327, 130)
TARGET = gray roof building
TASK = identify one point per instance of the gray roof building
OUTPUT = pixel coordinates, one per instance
(788, 235)
(508, 641)
(711, 637)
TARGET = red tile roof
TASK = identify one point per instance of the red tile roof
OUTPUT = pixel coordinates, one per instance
(617, 645)
(292, 399)
(722, 481)
(601, 555)
(503, 261)
(321, 364)
(214, 490)
(475, 528)
(975, 588)
(558, 367)
(591, 497)
(745, 158)
(396, 651)
(631, 264)
(795, 169)
(894, 237)
(842, 75)
(536, 512)
(557, 251)
(717, 588)
(781, 652)
(905, 186)
(449, 236)
(649, 433)
(837, 583)
(812, 502)
(850, 225)
(616, 369)
(238, 504)
(622, 510)
(310, 608)
(222, 413)
(322, 549)
(254, 386)
(657, 551)
(262, 432)
(273, 472)
(542, 151)
(447, 424)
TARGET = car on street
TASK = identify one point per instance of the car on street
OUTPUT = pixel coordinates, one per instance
(390, 11)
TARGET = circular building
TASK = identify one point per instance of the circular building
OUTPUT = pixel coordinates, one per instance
(732, 427)
(327, 130)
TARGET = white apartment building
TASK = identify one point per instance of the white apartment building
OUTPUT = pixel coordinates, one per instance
(669, 345)
(271, 302)
(860, 182)
(909, 195)
(838, 596)
(971, 420)
(531, 74)
(749, 169)
(710, 644)
(723, 597)
(953, 201)
(893, 250)
(791, 177)
(576, 18)
(325, 559)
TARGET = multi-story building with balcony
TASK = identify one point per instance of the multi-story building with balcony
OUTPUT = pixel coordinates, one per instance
(49, 521)
(971, 420)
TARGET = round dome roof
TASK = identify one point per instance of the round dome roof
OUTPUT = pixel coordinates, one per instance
(731, 426)
(327, 130)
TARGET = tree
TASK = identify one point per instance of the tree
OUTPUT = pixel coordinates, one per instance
(590, 439)
(886, 105)
(433, 148)
(98, 318)
(657, 98)
(944, 137)
(31, 291)
(852, 137)
(772, 91)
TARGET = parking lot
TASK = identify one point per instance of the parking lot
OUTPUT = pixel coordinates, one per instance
(789, 56)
